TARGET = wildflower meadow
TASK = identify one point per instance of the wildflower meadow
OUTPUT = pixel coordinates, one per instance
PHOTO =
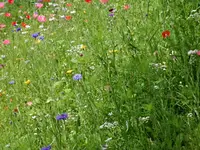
(99, 75)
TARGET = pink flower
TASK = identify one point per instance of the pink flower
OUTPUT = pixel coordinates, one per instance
(1, 4)
(7, 14)
(38, 5)
(35, 15)
(2, 26)
(103, 1)
(6, 42)
(41, 18)
(198, 53)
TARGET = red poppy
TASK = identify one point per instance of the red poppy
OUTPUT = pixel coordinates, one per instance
(23, 24)
(28, 17)
(88, 1)
(68, 17)
(10, 1)
(46, 1)
(165, 33)
(14, 23)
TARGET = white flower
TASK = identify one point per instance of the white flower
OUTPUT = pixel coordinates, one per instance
(73, 12)
(144, 119)
(189, 115)
(191, 52)
(41, 26)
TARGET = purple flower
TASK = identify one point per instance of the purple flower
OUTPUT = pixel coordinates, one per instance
(77, 77)
(111, 14)
(35, 35)
(62, 116)
(12, 82)
(46, 148)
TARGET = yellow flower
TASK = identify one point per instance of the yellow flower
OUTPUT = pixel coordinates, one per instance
(113, 51)
(37, 41)
(27, 82)
(69, 71)
(83, 47)
(84, 12)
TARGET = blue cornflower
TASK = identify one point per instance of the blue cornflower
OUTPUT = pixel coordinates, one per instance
(46, 148)
(77, 77)
(41, 38)
(62, 116)
(18, 29)
(35, 35)
(12, 82)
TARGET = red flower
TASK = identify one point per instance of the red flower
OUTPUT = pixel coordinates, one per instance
(10, 1)
(46, 1)
(7, 14)
(28, 17)
(14, 23)
(68, 17)
(23, 24)
(88, 1)
(165, 33)
(68, 5)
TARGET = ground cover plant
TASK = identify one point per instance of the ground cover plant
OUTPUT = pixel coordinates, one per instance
(99, 75)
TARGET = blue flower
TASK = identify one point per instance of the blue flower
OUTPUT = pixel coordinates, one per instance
(62, 116)
(41, 38)
(35, 35)
(12, 82)
(46, 148)
(77, 77)
(18, 29)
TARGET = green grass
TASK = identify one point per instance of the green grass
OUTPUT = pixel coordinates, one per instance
(139, 91)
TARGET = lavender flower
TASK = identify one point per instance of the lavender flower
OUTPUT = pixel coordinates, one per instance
(62, 116)
(46, 148)
(111, 14)
(77, 77)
